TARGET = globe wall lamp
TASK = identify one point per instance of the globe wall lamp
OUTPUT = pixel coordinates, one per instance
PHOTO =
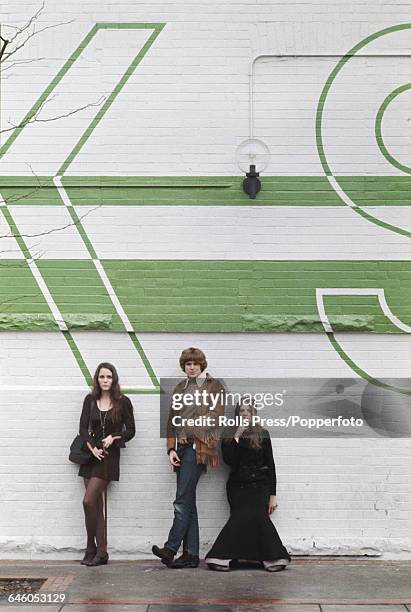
(252, 157)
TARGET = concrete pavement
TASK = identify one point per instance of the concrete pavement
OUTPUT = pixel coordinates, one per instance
(307, 585)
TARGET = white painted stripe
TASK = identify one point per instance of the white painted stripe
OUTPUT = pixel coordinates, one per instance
(113, 296)
(334, 184)
(62, 192)
(321, 292)
(47, 295)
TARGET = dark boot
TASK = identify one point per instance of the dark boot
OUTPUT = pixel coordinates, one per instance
(166, 554)
(185, 560)
(88, 556)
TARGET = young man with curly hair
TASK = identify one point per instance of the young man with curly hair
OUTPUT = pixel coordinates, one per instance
(191, 448)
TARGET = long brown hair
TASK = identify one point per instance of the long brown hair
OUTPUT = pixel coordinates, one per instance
(253, 433)
(115, 391)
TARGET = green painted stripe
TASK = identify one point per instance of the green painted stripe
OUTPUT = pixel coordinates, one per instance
(207, 296)
(245, 296)
(377, 190)
(75, 218)
(80, 294)
(14, 232)
(129, 71)
(206, 191)
(21, 302)
(146, 362)
(141, 391)
(78, 357)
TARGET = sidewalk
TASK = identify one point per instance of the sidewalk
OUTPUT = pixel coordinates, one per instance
(307, 585)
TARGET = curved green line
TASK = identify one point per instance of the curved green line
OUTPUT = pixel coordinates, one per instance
(331, 78)
(378, 128)
(378, 383)
(319, 119)
(387, 226)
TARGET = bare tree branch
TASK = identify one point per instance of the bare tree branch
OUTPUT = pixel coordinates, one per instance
(55, 229)
(19, 62)
(31, 35)
(5, 43)
(36, 119)
(25, 31)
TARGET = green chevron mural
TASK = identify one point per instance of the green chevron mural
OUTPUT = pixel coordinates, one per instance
(206, 290)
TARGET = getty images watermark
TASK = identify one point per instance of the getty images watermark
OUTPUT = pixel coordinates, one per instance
(290, 407)
(258, 401)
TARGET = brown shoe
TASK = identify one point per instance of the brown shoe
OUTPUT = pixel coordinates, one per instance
(165, 554)
(88, 556)
(185, 560)
(98, 560)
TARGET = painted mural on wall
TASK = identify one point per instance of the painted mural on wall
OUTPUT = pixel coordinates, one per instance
(133, 261)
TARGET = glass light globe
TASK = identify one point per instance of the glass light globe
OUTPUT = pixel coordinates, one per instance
(252, 151)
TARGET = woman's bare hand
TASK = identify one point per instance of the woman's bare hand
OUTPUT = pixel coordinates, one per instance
(98, 453)
(108, 441)
(272, 504)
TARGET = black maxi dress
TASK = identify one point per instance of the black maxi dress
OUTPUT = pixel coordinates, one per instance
(109, 468)
(249, 533)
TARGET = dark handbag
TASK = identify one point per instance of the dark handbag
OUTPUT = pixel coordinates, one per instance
(79, 452)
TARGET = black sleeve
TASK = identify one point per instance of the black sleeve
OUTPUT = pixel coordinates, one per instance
(129, 427)
(85, 420)
(269, 460)
(231, 451)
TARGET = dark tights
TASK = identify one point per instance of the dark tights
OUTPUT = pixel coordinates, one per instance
(94, 515)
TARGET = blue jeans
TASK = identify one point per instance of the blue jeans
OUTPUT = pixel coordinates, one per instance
(185, 524)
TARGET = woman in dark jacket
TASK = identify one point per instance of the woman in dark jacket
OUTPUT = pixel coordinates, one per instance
(249, 534)
(106, 423)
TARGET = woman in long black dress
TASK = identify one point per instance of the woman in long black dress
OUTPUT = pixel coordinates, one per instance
(106, 423)
(249, 534)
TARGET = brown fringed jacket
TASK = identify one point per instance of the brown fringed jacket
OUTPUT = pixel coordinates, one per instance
(205, 438)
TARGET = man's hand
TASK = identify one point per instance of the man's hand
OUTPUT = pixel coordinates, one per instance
(174, 458)
(272, 504)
